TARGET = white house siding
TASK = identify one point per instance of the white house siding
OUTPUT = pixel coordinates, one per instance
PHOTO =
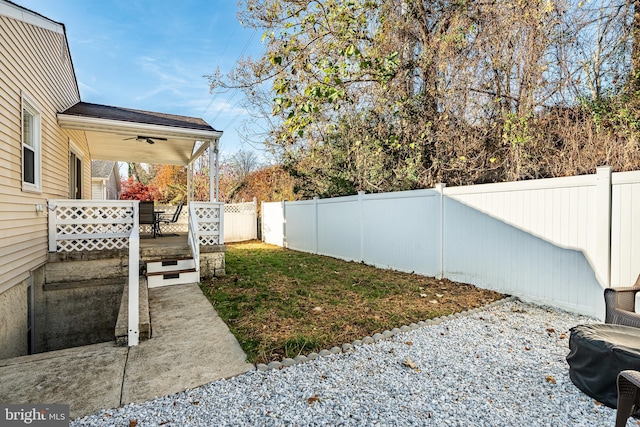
(35, 61)
(97, 190)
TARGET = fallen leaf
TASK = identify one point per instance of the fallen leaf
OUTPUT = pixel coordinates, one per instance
(313, 399)
(133, 423)
(527, 348)
(551, 330)
(409, 343)
(410, 363)
(550, 379)
(595, 402)
(563, 336)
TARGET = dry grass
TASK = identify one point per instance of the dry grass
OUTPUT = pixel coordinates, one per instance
(281, 303)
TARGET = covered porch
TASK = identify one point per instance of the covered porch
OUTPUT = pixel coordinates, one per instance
(103, 230)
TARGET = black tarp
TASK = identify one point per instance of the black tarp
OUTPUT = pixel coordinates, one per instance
(597, 354)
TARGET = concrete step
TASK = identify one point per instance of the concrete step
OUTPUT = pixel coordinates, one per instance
(169, 265)
(144, 324)
(173, 277)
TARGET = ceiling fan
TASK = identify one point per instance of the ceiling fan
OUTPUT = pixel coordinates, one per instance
(147, 139)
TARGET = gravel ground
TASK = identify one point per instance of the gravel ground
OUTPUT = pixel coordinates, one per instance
(501, 366)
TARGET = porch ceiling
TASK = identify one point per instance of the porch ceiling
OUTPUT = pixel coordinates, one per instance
(112, 133)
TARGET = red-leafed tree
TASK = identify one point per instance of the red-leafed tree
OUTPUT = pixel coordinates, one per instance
(135, 190)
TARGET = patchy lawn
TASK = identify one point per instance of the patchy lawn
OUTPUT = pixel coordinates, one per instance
(282, 303)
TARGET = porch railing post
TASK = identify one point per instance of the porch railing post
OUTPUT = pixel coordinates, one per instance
(52, 216)
(134, 278)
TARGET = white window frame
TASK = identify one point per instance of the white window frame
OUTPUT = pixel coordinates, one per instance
(31, 107)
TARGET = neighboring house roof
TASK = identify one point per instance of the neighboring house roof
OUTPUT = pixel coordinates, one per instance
(101, 168)
(106, 112)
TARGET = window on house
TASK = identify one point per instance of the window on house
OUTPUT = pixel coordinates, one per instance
(75, 176)
(75, 172)
(31, 172)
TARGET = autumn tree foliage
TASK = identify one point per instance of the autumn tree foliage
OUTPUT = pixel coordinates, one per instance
(171, 181)
(266, 184)
(135, 190)
(383, 95)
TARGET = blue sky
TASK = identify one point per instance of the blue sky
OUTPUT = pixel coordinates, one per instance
(153, 54)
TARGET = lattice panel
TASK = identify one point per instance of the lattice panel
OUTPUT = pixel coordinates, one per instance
(209, 240)
(91, 244)
(206, 213)
(209, 226)
(100, 214)
(248, 207)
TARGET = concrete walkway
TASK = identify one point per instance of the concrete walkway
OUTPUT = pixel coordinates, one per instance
(190, 346)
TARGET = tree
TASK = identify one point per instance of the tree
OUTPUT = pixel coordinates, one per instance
(171, 181)
(135, 190)
(382, 95)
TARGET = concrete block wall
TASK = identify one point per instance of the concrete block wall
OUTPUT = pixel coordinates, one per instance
(13, 321)
(212, 264)
(79, 313)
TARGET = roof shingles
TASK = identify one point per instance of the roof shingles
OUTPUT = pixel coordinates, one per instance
(86, 109)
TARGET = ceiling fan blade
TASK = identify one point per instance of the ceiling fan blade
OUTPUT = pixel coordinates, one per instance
(147, 139)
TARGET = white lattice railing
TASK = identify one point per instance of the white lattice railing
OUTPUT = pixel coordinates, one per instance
(210, 219)
(90, 225)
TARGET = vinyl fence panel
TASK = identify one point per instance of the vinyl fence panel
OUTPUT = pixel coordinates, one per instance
(301, 226)
(402, 231)
(273, 223)
(240, 221)
(339, 227)
(625, 228)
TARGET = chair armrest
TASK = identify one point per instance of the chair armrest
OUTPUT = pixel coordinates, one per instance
(621, 298)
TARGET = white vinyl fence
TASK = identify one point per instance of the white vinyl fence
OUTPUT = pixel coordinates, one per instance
(240, 221)
(553, 241)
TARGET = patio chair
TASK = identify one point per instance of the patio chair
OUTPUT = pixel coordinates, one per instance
(628, 396)
(146, 216)
(619, 305)
(170, 219)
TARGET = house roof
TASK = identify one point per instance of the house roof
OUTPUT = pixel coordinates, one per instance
(21, 13)
(97, 111)
(101, 168)
(128, 135)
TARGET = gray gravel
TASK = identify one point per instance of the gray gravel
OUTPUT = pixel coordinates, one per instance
(501, 366)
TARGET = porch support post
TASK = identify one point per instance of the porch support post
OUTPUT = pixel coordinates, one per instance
(190, 182)
(212, 182)
(217, 172)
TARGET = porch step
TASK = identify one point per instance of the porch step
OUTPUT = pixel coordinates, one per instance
(144, 324)
(167, 272)
(169, 265)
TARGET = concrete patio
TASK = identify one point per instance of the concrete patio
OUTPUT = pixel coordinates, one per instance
(190, 346)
